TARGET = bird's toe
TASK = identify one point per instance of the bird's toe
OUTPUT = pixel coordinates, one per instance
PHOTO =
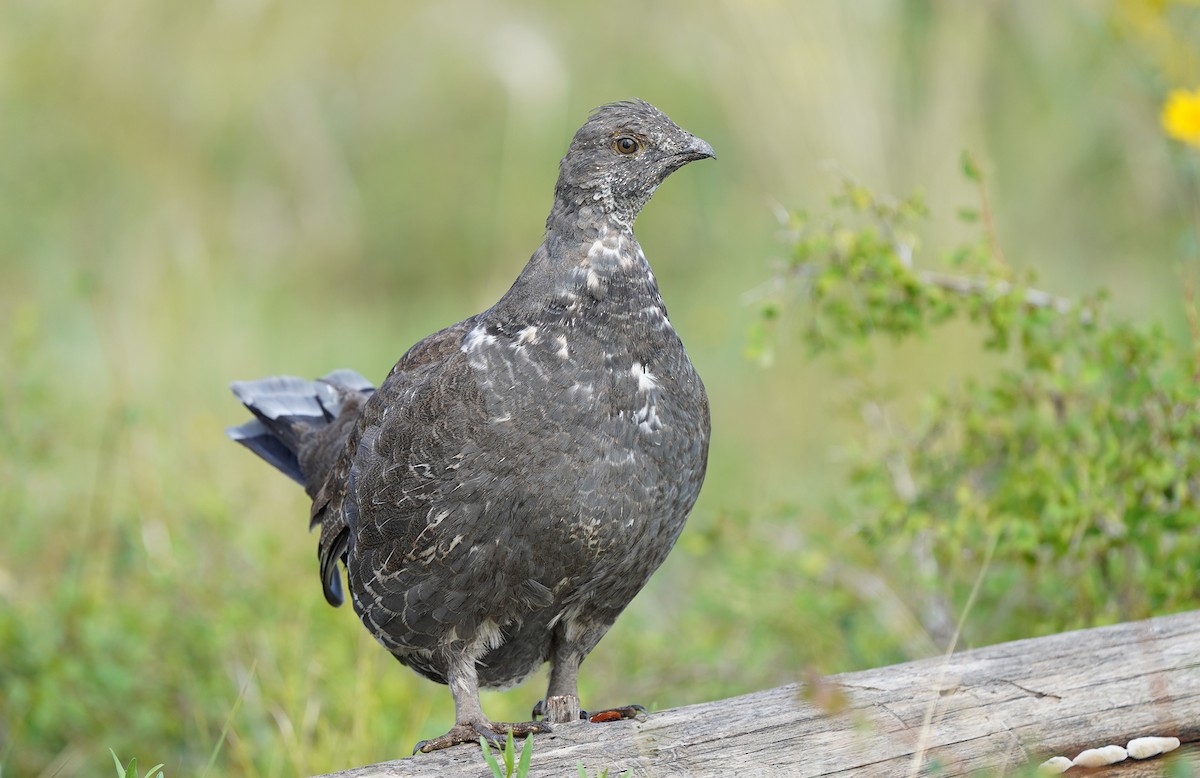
(615, 714)
(458, 734)
(471, 731)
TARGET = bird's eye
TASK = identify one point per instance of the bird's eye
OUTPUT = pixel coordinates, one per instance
(625, 145)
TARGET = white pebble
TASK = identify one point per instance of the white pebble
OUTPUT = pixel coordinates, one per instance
(1098, 757)
(1146, 747)
(1055, 765)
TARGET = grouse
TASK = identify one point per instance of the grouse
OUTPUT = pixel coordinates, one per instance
(518, 476)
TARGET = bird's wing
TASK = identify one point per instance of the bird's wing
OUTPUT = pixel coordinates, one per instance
(335, 503)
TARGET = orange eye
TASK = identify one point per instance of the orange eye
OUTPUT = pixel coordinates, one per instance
(625, 145)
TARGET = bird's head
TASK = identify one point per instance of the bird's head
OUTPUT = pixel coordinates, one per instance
(620, 156)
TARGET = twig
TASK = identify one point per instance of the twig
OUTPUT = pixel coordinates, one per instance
(1034, 298)
(989, 226)
(1189, 306)
(931, 710)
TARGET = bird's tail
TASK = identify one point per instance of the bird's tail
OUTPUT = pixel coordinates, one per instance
(299, 426)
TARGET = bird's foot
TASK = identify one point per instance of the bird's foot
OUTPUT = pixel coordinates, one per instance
(491, 731)
(615, 714)
(548, 709)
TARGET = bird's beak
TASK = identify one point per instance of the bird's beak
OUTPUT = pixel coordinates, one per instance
(698, 149)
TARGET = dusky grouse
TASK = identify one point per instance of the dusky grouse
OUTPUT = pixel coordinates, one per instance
(518, 477)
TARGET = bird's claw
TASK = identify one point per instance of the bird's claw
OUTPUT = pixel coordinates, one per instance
(491, 732)
(615, 714)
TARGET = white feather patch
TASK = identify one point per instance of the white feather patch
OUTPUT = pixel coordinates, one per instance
(645, 379)
(477, 339)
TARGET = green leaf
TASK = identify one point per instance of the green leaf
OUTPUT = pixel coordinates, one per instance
(509, 754)
(121, 770)
(970, 169)
(526, 757)
(492, 764)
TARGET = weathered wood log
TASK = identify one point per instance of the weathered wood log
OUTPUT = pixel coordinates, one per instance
(991, 708)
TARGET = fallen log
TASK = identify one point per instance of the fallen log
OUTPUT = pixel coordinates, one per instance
(988, 709)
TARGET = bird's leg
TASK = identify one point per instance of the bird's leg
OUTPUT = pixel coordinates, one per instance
(561, 705)
(562, 695)
(469, 721)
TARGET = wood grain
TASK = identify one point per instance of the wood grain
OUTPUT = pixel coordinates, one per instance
(994, 709)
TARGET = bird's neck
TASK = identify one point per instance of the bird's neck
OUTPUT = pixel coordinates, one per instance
(589, 259)
(592, 238)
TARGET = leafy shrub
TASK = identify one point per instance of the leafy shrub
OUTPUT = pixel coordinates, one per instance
(1069, 469)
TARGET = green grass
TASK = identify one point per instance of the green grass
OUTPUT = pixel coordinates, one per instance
(203, 193)
(131, 770)
(510, 764)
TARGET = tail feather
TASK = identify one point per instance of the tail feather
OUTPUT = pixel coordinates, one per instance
(287, 408)
(257, 437)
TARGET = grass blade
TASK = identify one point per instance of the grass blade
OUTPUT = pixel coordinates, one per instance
(492, 764)
(229, 719)
(526, 757)
(509, 754)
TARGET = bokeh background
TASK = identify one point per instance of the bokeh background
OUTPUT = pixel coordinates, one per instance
(198, 193)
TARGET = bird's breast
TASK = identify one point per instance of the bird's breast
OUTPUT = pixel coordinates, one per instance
(594, 404)
(546, 378)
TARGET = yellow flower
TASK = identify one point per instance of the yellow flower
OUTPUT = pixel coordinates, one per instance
(1181, 116)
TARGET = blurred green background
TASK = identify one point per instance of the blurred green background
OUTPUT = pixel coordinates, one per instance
(198, 193)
